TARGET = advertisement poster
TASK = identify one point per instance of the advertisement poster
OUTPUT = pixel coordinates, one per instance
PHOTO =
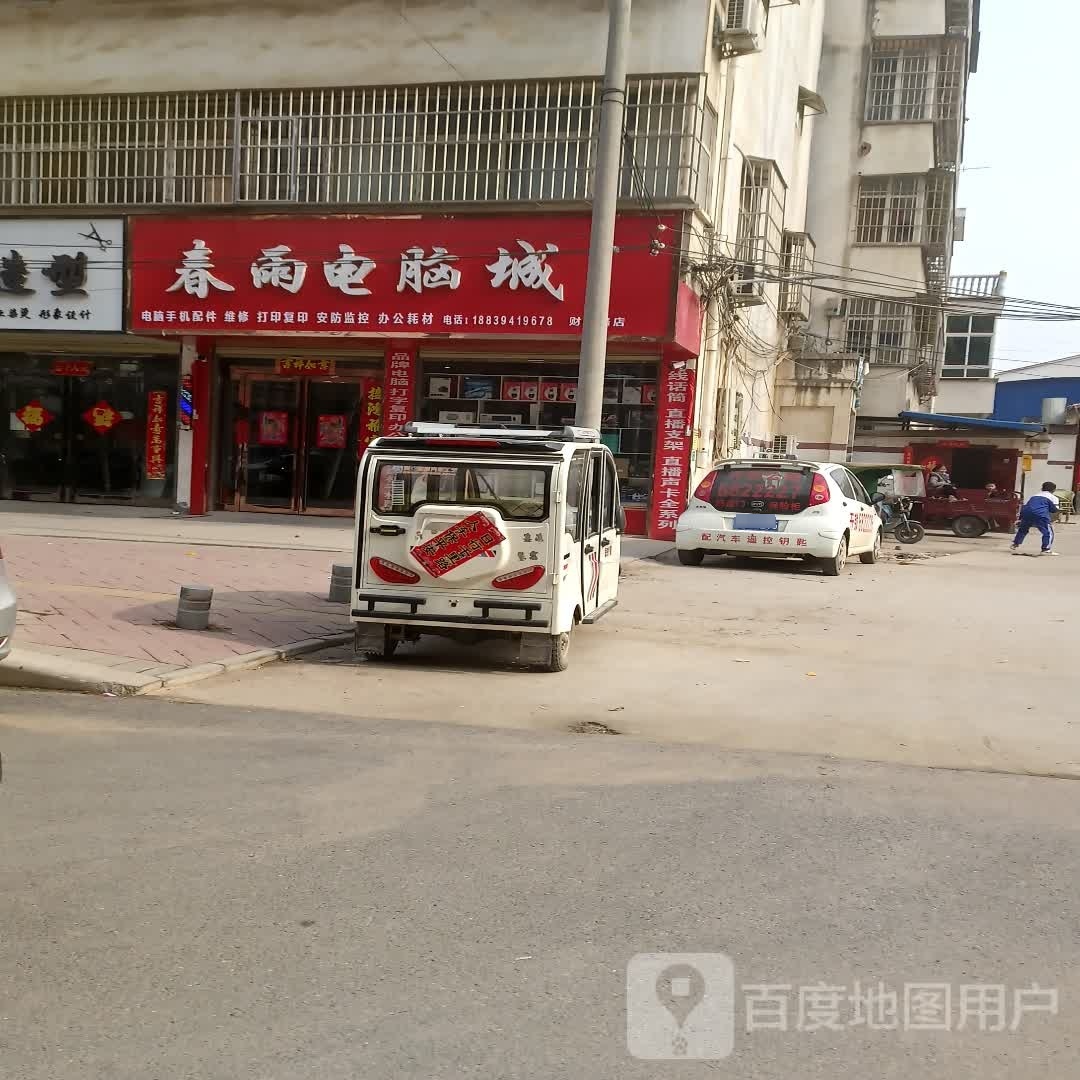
(675, 413)
(400, 392)
(455, 546)
(273, 428)
(157, 418)
(331, 432)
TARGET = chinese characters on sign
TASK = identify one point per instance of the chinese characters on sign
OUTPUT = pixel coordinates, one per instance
(371, 413)
(78, 369)
(453, 547)
(102, 417)
(47, 276)
(34, 416)
(157, 416)
(400, 392)
(674, 415)
(301, 366)
(392, 276)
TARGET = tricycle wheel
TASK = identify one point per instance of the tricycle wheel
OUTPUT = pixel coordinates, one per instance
(559, 657)
(969, 527)
(691, 556)
(389, 646)
(909, 532)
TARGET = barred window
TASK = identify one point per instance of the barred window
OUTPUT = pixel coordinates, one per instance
(762, 199)
(460, 143)
(892, 331)
(915, 79)
(904, 210)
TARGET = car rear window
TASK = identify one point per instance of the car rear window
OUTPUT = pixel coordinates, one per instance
(762, 491)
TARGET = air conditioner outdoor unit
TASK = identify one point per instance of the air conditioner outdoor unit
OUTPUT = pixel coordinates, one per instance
(781, 448)
(748, 284)
(744, 27)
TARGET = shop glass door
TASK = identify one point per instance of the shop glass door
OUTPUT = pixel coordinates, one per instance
(329, 461)
(33, 446)
(267, 436)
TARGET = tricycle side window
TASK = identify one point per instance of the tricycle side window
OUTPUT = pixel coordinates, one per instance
(518, 492)
(575, 494)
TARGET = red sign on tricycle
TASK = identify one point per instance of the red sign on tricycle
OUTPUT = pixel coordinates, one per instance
(455, 546)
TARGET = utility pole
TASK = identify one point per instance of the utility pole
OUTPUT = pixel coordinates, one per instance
(594, 332)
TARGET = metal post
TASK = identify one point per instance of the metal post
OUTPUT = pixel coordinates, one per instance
(594, 333)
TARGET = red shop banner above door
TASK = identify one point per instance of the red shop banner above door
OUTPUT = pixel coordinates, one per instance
(398, 277)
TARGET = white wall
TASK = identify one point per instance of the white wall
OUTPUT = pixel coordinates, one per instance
(909, 18)
(965, 397)
(106, 46)
(887, 391)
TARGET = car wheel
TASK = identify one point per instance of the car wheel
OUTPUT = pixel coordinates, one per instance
(870, 557)
(834, 567)
(559, 657)
(909, 532)
(969, 527)
(691, 556)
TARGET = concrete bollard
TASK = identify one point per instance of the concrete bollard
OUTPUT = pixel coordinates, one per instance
(340, 583)
(193, 610)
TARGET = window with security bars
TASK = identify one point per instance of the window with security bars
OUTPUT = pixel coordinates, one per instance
(797, 268)
(762, 197)
(464, 143)
(969, 342)
(915, 80)
(892, 331)
(904, 210)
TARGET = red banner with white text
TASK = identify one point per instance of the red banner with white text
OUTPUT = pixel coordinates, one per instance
(674, 441)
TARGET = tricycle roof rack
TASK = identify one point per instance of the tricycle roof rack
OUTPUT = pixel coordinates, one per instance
(502, 433)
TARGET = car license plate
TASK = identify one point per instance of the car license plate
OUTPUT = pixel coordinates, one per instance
(757, 522)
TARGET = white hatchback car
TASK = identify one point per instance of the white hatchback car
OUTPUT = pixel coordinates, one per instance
(816, 511)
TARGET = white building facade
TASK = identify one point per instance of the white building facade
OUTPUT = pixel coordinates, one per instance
(217, 134)
(882, 203)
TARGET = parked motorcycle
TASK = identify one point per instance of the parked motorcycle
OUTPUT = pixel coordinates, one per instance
(897, 521)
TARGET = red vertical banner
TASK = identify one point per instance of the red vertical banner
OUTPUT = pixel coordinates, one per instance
(400, 392)
(671, 464)
(909, 455)
(157, 420)
(371, 413)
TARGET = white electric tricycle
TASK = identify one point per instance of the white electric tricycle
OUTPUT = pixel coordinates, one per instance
(476, 533)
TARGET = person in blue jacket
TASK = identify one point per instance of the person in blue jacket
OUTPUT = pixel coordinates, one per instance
(1038, 513)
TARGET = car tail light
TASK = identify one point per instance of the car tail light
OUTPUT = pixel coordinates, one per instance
(391, 572)
(520, 579)
(819, 492)
(703, 490)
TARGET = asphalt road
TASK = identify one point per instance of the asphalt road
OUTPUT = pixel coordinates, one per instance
(217, 893)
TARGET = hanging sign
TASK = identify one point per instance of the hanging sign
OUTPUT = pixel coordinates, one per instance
(102, 417)
(371, 412)
(34, 416)
(301, 366)
(157, 418)
(674, 414)
(400, 392)
(78, 369)
(331, 431)
(453, 547)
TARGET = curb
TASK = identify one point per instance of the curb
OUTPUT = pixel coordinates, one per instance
(47, 671)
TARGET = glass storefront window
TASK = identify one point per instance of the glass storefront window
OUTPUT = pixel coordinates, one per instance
(76, 429)
(545, 395)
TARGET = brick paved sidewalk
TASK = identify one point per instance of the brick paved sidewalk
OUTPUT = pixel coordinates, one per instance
(111, 600)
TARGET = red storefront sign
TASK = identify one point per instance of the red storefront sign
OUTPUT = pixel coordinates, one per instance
(371, 413)
(34, 416)
(79, 369)
(671, 467)
(521, 276)
(400, 391)
(157, 419)
(102, 417)
(454, 547)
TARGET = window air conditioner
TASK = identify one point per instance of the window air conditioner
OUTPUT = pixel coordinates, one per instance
(744, 27)
(748, 285)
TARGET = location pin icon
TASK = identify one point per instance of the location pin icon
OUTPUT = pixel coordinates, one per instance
(680, 988)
